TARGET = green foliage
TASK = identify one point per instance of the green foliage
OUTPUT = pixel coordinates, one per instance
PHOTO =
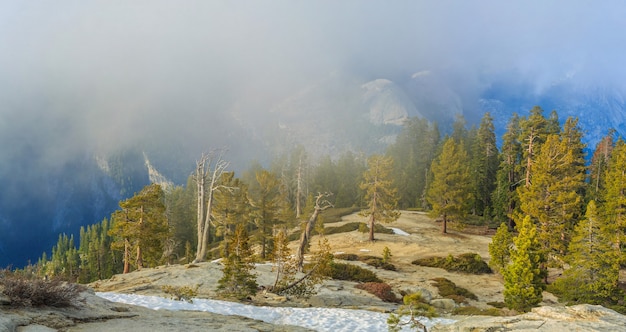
(413, 308)
(473, 311)
(380, 194)
(412, 155)
(181, 293)
(288, 281)
(500, 247)
(450, 290)
(594, 262)
(23, 291)
(238, 280)
(484, 165)
(386, 254)
(504, 196)
(523, 277)
(553, 199)
(379, 289)
(374, 261)
(614, 207)
(470, 263)
(141, 225)
(267, 201)
(450, 190)
(378, 228)
(351, 272)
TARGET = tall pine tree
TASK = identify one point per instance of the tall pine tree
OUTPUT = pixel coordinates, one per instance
(380, 195)
(523, 277)
(450, 189)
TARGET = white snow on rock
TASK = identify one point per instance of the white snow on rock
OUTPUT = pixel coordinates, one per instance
(319, 319)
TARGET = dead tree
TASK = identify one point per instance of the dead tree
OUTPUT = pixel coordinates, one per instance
(321, 204)
(209, 170)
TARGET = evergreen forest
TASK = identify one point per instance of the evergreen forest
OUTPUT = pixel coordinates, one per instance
(555, 202)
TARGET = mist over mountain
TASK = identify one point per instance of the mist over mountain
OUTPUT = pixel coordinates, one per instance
(89, 84)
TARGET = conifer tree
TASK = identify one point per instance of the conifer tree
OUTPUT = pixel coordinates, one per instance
(412, 154)
(504, 197)
(534, 130)
(554, 197)
(614, 198)
(523, 277)
(238, 280)
(500, 248)
(380, 194)
(598, 167)
(450, 189)
(266, 200)
(141, 225)
(593, 259)
(231, 208)
(485, 162)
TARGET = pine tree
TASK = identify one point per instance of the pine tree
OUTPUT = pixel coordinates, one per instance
(598, 167)
(614, 197)
(484, 162)
(500, 248)
(450, 189)
(504, 197)
(380, 194)
(412, 154)
(238, 280)
(141, 225)
(534, 130)
(554, 197)
(593, 259)
(266, 201)
(523, 277)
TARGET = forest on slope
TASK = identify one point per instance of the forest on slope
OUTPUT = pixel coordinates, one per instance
(538, 177)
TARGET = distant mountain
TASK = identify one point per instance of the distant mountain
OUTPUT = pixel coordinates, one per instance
(328, 117)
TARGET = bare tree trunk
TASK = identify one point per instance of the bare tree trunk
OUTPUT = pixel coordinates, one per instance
(373, 218)
(126, 256)
(305, 237)
(214, 163)
(200, 178)
(299, 189)
(444, 225)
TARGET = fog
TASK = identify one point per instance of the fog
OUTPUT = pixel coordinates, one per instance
(92, 77)
(101, 74)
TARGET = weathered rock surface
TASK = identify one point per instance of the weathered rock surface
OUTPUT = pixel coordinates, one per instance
(580, 318)
(99, 315)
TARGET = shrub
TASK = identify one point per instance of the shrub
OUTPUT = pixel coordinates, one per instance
(378, 229)
(377, 262)
(450, 290)
(184, 293)
(334, 214)
(473, 311)
(350, 272)
(23, 291)
(470, 263)
(386, 255)
(498, 305)
(345, 228)
(347, 257)
(413, 307)
(381, 290)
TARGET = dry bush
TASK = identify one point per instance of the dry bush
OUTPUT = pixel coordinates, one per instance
(24, 292)
(381, 290)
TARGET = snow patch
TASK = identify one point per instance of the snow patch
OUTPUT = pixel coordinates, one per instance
(319, 319)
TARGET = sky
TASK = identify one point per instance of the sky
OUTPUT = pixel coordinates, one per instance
(318, 319)
(99, 74)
